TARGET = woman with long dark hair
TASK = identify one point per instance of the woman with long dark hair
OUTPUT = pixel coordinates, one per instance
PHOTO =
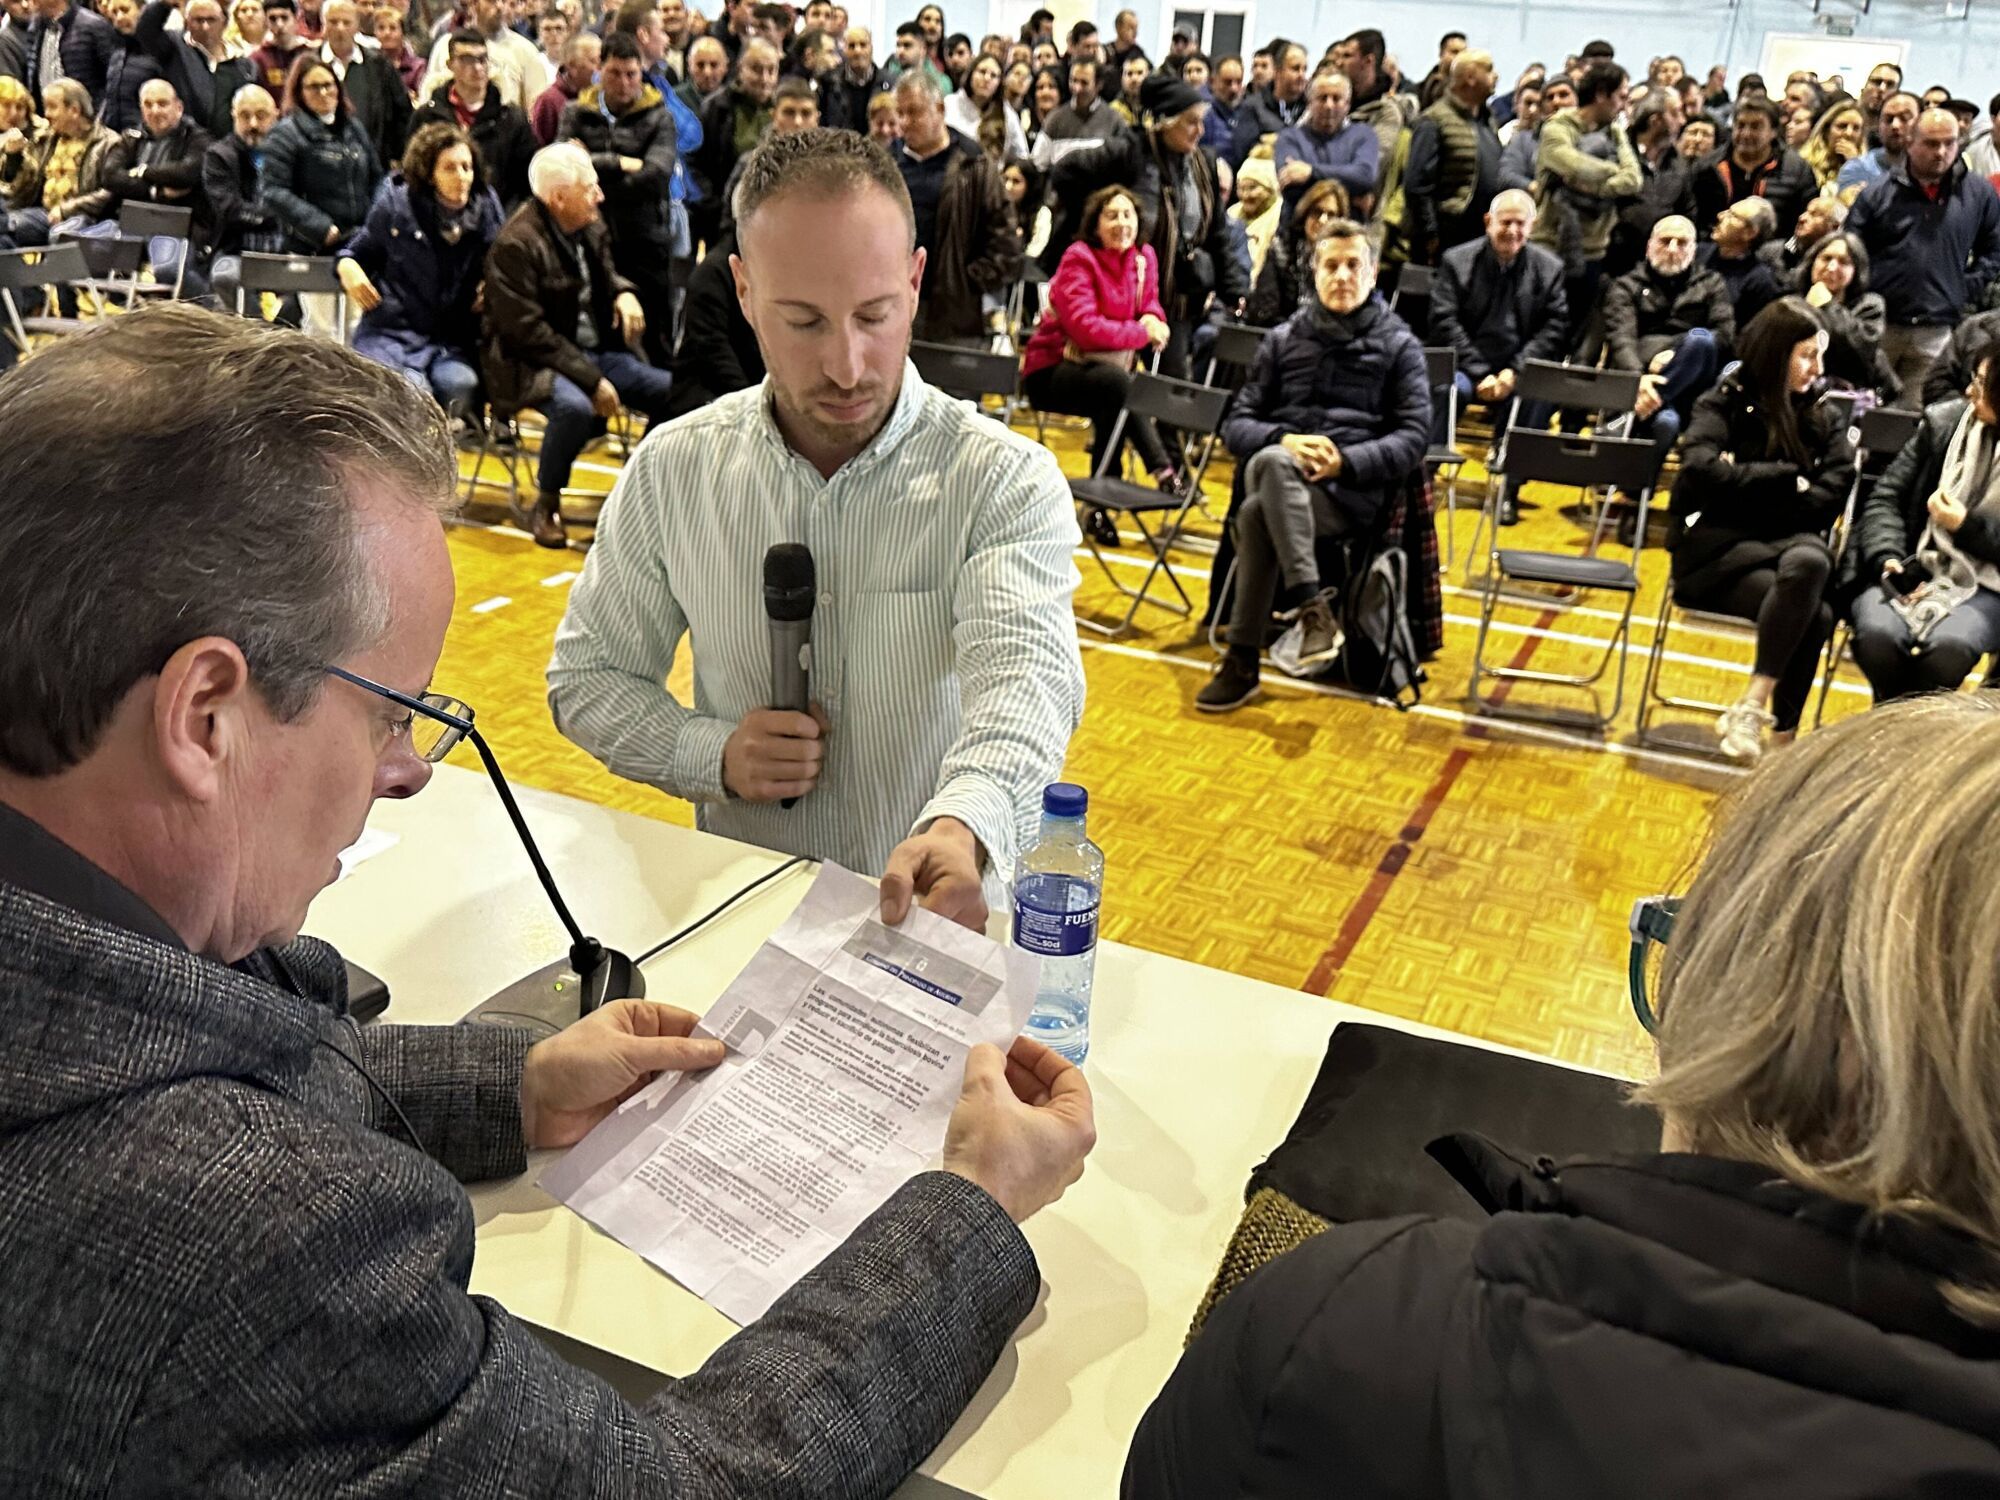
(979, 112)
(1765, 469)
(414, 269)
(1834, 282)
(1044, 97)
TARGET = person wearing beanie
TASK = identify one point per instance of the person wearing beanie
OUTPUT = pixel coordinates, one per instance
(1180, 206)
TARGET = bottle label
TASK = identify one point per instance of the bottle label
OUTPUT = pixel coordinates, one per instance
(1054, 934)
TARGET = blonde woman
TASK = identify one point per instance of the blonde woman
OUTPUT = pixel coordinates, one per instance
(1798, 1296)
(1840, 135)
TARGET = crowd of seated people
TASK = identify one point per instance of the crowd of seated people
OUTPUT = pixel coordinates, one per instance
(1577, 213)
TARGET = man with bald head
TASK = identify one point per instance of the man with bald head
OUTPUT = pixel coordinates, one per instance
(1932, 230)
(1672, 320)
(159, 163)
(733, 121)
(375, 92)
(707, 68)
(843, 103)
(1495, 302)
(1453, 168)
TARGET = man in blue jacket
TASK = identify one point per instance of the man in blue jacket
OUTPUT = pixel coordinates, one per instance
(1332, 421)
(1326, 144)
(1933, 235)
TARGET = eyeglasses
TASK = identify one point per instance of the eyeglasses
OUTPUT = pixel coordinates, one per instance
(472, 59)
(1652, 924)
(436, 723)
(324, 86)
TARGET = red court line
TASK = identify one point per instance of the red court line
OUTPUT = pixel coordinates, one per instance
(1326, 972)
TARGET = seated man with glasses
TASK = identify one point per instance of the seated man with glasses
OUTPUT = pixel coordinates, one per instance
(237, 1258)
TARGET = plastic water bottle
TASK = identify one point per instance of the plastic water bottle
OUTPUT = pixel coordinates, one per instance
(1057, 885)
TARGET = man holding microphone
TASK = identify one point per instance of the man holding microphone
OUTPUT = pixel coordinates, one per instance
(944, 674)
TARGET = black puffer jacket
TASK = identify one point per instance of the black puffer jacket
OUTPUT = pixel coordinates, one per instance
(637, 205)
(1897, 509)
(1674, 1327)
(318, 177)
(1365, 388)
(1734, 486)
(1644, 312)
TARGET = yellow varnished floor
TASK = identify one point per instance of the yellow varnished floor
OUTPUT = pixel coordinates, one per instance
(1462, 871)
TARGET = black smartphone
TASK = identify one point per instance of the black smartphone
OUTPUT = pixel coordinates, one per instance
(1911, 574)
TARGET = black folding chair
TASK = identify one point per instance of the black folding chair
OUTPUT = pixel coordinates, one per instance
(1411, 300)
(55, 267)
(1443, 460)
(114, 262)
(292, 276)
(146, 222)
(1878, 437)
(1558, 458)
(1608, 397)
(973, 372)
(1195, 410)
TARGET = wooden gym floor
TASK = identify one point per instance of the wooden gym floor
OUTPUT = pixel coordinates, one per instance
(1468, 872)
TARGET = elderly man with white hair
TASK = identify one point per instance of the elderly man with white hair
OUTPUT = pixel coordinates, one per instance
(562, 326)
(1497, 302)
(1453, 168)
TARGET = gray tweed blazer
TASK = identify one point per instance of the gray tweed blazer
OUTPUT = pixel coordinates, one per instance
(226, 1274)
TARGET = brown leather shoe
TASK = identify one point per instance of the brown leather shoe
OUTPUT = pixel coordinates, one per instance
(545, 522)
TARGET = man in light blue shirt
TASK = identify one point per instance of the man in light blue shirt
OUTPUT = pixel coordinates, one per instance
(945, 674)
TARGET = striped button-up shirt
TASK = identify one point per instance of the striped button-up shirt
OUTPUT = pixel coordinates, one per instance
(943, 648)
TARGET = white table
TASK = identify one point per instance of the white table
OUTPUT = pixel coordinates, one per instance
(1196, 1074)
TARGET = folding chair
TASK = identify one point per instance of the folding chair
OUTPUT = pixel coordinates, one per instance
(1236, 346)
(1444, 459)
(292, 276)
(973, 372)
(58, 265)
(1411, 301)
(114, 262)
(1558, 458)
(146, 222)
(1194, 409)
(1878, 437)
(1605, 395)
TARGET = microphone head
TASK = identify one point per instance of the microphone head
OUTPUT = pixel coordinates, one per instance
(789, 582)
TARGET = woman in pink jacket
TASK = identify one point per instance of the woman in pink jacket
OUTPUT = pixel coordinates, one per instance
(1103, 310)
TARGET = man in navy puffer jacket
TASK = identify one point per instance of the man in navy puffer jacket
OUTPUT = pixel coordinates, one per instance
(1333, 419)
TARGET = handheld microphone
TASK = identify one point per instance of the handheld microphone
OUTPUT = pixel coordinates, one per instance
(789, 588)
(560, 992)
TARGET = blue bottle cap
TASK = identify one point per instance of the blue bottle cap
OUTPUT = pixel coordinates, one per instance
(1063, 799)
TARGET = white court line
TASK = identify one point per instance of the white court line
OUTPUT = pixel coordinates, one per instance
(487, 606)
(1492, 724)
(1508, 627)
(557, 580)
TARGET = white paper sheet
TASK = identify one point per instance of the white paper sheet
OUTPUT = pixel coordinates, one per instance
(847, 1044)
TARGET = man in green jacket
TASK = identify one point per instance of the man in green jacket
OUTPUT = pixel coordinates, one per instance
(1583, 166)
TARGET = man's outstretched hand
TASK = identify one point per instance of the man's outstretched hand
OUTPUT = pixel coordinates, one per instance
(940, 868)
(1023, 1125)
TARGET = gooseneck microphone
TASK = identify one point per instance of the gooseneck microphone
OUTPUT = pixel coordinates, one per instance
(790, 585)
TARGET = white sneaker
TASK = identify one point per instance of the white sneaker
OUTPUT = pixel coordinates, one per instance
(1742, 727)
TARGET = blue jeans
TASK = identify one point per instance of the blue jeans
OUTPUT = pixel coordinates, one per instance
(1696, 363)
(1882, 644)
(24, 229)
(441, 372)
(571, 419)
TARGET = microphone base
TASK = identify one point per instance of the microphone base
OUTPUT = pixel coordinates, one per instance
(555, 995)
